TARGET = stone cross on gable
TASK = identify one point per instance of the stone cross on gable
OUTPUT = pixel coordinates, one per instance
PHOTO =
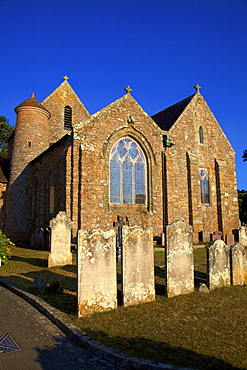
(128, 89)
(197, 87)
(65, 78)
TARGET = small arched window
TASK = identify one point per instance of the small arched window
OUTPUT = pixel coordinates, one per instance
(127, 173)
(67, 118)
(201, 139)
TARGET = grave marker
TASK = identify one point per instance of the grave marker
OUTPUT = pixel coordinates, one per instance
(179, 259)
(97, 285)
(60, 253)
(218, 262)
(138, 265)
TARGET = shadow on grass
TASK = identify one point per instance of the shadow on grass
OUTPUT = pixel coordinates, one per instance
(160, 352)
(65, 302)
(40, 262)
(200, 278)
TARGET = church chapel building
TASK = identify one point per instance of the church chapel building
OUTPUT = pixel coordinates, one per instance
(177, 164)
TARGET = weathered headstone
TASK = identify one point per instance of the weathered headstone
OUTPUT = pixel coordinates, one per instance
(179, 261)
(216, 237)
(218, 262)
(60, 253)
(41, 238)
(47, 239)
(138, 265)
(97, 283)
(243, 236)
(229, 239)
(239, 264)
(203, 288)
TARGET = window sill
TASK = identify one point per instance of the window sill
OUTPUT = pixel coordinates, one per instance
(129, 208)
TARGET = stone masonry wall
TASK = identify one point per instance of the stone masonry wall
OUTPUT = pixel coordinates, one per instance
(55, 103)
(93, 140)
(183, 161)
(54, 160)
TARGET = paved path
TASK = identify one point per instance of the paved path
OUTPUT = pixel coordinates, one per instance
(43, 345)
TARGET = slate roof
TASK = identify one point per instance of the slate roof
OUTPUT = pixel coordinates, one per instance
(4, 169)
(167, 117)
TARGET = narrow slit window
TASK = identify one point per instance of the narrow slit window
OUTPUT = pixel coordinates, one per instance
(201, 138)
(67, 118)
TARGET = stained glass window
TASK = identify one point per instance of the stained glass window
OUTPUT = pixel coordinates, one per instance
(127, 173)
(204, 185)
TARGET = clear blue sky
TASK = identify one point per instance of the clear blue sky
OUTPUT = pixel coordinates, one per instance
(161, 48)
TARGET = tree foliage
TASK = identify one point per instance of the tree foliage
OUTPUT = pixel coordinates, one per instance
(242, 201)
(245, 155)
(5, 131)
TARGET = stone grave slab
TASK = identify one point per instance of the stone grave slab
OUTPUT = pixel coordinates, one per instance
(179, 260)
(218, 262)
(60, 253)
(138, 265)
(239, 264)
(97, 282)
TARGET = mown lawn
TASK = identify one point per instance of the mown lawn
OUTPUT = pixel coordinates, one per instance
(198, 330)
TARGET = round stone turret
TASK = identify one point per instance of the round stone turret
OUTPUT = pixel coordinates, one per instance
(31, 138)
(31, 134)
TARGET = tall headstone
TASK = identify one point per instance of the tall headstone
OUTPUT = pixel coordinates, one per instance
(218, 262)
(230, 239)
(97, 283)
(138, 265)
(243, 236)
(179, 259)
(239, 264)
(60, 253)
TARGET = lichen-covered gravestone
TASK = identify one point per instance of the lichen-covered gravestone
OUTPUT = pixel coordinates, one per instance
(218, 261)
(243, 236)
(138, 265)
(179, 259)
(60, 253)
(97, 282)
(239, 264)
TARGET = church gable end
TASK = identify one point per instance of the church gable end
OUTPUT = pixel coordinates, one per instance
(66, 109)
(121, 124)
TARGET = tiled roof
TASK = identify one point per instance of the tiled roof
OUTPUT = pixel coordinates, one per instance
(31, 102)
(167, 117)
(4, 169)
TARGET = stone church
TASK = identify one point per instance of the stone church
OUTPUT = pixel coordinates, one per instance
(150, 170)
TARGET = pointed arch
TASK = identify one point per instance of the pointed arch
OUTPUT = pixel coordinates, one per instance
(127, 168)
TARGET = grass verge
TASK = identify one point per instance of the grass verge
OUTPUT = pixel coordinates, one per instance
(202, 331)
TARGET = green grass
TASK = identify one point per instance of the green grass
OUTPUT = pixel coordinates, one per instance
(202, 331)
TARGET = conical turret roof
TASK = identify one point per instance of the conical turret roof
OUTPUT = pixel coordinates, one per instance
(31, 102)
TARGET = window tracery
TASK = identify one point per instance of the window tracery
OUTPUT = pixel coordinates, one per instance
(127, 173)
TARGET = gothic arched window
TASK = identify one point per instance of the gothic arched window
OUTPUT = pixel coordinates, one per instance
(127, 173)
(67, 118)
(201, 139)
(204, 185)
